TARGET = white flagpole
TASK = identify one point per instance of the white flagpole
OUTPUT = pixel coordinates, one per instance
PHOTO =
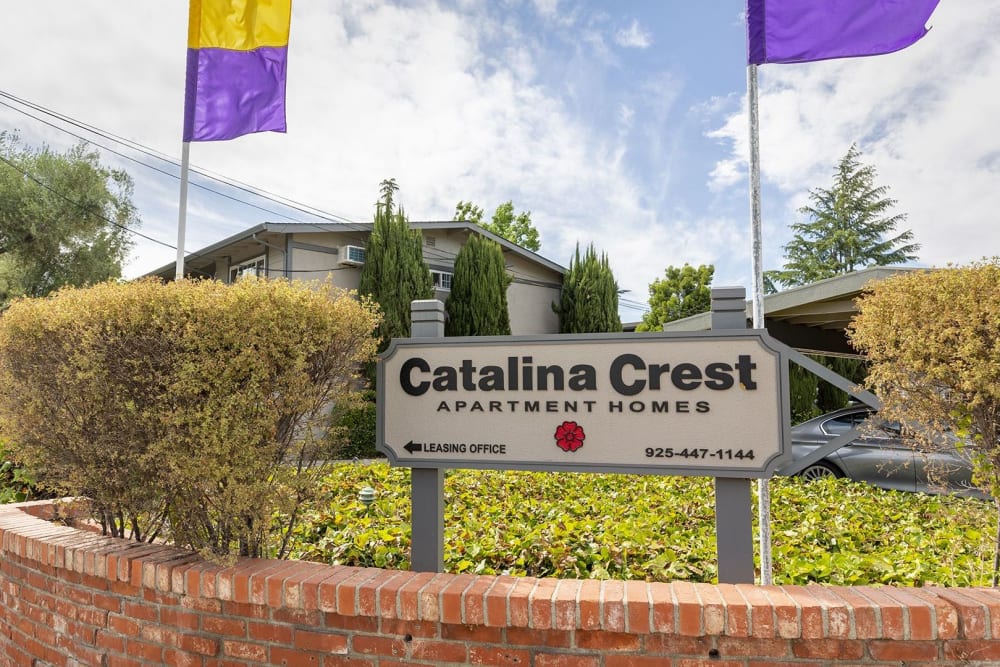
(763, 485)
(182, 209)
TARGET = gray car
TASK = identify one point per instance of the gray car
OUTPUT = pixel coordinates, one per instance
(879, 455)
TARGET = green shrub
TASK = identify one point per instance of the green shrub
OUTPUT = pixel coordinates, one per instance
(656, 528)
(187, 409)
(355, 428)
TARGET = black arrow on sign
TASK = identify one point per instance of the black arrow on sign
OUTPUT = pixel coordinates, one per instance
(413, 446)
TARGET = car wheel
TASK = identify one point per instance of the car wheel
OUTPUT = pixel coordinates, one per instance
(819, 470)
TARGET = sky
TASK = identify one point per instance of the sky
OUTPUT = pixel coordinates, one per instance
(618, 123)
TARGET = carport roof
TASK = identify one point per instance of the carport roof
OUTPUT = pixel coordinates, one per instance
(811, 318)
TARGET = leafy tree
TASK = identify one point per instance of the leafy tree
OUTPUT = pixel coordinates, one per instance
(394, 272)
(588, 302)
(515, 228)
(191, 410)
(477, 303)
(851, 226)
(64, 219)
(682, 292)
(933, 344)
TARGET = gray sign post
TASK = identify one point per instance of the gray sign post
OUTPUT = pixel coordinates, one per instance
(427, 484)
(733, 504)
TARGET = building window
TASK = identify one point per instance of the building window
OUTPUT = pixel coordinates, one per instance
(442, 280)
(251, 267)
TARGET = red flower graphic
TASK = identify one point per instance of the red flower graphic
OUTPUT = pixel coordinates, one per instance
(569, 436)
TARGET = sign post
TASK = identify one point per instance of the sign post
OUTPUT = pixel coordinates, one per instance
(733, 506)
(427, 484)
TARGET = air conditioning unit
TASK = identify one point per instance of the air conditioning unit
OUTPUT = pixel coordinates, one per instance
(352, 255)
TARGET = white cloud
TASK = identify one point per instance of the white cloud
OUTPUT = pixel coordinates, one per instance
(925, 117)
(634, 36)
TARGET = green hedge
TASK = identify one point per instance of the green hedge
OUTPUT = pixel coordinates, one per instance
(651, 527)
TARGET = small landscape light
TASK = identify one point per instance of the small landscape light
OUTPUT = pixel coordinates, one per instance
(367, 496)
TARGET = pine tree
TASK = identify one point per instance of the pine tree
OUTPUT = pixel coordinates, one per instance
(394, 272)
(850, 227)
(588, 302)
(477, 304)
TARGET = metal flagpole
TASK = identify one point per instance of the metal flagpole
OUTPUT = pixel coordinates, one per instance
(182, 212)
(763, 485)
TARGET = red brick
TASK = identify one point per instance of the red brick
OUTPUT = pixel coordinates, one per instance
(674, 645)
(565, 660)
(423, 629)
(713, 609)
(144, 650)
(344, 661)
(429, 597)
(829, 649)
(452, 601)
(354, 623)
(142, 612)
(920, 613)
(324, 642)
(633, 661)
(293, 595)
(106, 640)
(292, 658)
(753, 647)
(786, 613)
(197, 644)
(497, 657)
(540, 612)
(481, 634)
(607, 641)
(702, 662)
(811, 610)
(689, 609)
(972, 614)
(387, 593)
(180, 659)
(613, 596)
(890, 611)
(310, 586)
(347, 590)
(123, 625)
(296, 616)
(424, 649)
(972, 650)
(377, 645)
(227, 627)
(179, 618)
(272, 633)
(408, 607)
(637, 607)
(158, 634)
(474, 600)
(945, 615)
(544, 638)
(862, 612)
(245, 650)
(326, 590)
(590, 605)
(368, 592)
(903, 650)
(496, 601)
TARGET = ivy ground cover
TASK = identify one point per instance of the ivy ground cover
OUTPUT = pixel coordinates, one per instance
(656, 528)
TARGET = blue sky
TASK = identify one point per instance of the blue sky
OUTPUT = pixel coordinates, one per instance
(617, 123)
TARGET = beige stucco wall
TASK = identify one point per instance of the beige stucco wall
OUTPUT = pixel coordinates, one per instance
(530, 295)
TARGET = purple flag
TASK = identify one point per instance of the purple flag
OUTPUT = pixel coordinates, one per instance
(798, 31)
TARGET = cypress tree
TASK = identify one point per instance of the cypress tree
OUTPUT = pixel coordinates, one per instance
(477, 304)
(394, 272)
(588, 302)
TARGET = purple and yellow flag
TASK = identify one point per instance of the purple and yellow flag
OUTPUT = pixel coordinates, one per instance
(236, 64)
(798, 31)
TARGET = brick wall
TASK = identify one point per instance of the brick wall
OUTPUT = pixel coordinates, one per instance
(71, 597)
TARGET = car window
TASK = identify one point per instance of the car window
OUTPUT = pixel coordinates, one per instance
(838, 425)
